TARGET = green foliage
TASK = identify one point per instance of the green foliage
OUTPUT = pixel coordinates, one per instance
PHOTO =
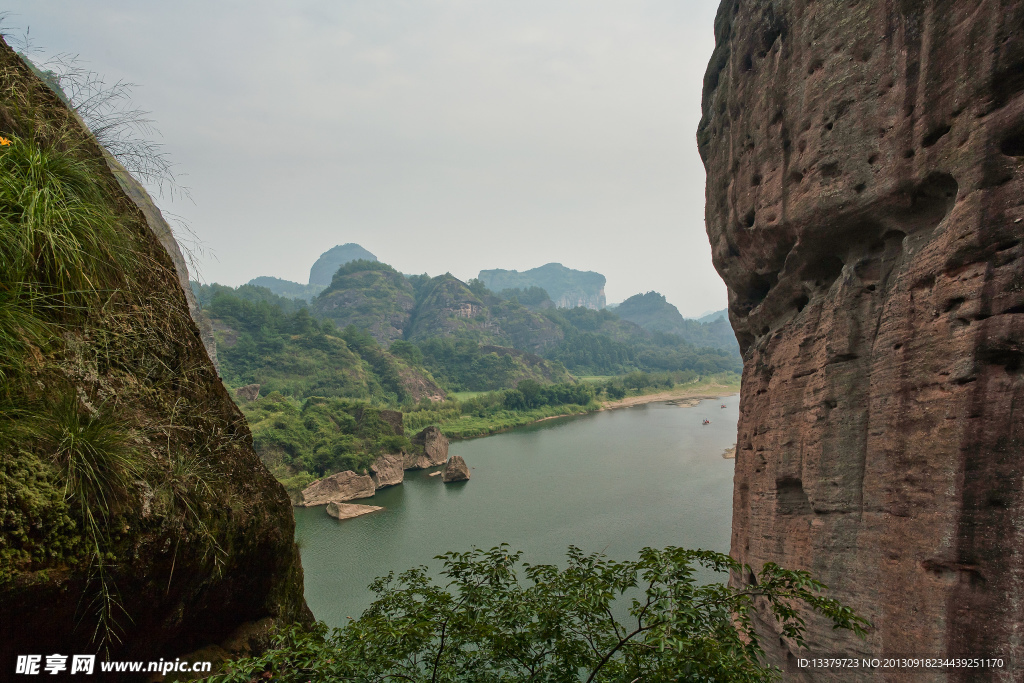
(94, 456)
(250, 293)
(478, 287)
(407, 351)
(370, 295)
(600, 343)
(465, 365)
(274, 342)
(358, 266)
(496, 621)
(58, 231)
(384, 366)
(288, 289)
(61, 244)
(531, 297)
(530, 394)
(94, 460)
(320, 435)
(38, 528)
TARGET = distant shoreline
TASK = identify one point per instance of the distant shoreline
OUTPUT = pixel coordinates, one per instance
(699, 393)
(696, 393)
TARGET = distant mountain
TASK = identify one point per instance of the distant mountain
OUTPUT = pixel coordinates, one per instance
(653, 313)
(319, 275)
(327, 265)
(713, 316)
(287, 288)
(567, 288)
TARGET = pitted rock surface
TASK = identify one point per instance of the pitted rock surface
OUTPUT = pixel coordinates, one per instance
(338, 488)
(865, 207)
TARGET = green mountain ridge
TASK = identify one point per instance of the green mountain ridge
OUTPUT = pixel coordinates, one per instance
(654, 313)
(287, 288)
(370, 295)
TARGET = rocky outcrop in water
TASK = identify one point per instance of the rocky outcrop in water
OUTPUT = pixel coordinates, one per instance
(337, 488)
(455, 470)
(864, 205)
(350, 510)
(429, 449)
(388, 470)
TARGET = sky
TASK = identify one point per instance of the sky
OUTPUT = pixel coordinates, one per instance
(442, 135)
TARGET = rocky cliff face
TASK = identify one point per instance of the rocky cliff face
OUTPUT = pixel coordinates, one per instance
(194, 537)
(865, 199)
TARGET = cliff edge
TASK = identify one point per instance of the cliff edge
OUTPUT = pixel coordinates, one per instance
(865, 207)
(137, 520)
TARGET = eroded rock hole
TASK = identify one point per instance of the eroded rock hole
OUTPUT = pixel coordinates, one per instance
(935, 136)
(790, 498)
(823, 271)
(1013, 144)
(748, 63)
(1004, 352)
(830, 170)
(932, 200)
(758, 288)
(748, 219)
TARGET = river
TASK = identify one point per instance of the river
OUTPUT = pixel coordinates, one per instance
(613, 481)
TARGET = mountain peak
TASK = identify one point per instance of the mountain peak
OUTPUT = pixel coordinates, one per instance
(332, 259)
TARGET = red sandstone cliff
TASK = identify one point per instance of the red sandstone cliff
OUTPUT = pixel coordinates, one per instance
(865, 206)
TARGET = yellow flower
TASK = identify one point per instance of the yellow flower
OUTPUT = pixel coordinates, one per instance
(4, 142)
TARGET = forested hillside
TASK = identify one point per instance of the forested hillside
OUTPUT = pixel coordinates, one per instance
(653, 313)
(311, 376)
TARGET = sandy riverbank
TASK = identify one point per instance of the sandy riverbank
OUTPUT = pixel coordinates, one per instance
(682, 395)
(705, 392)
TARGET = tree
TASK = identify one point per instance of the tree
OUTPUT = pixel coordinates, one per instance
(495, 623)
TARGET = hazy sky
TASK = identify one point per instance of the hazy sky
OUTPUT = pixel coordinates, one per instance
(442, 135)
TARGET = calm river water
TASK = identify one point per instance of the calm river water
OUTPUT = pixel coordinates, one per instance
(612, 482)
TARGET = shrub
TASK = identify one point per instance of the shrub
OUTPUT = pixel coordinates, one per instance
(493, 621)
